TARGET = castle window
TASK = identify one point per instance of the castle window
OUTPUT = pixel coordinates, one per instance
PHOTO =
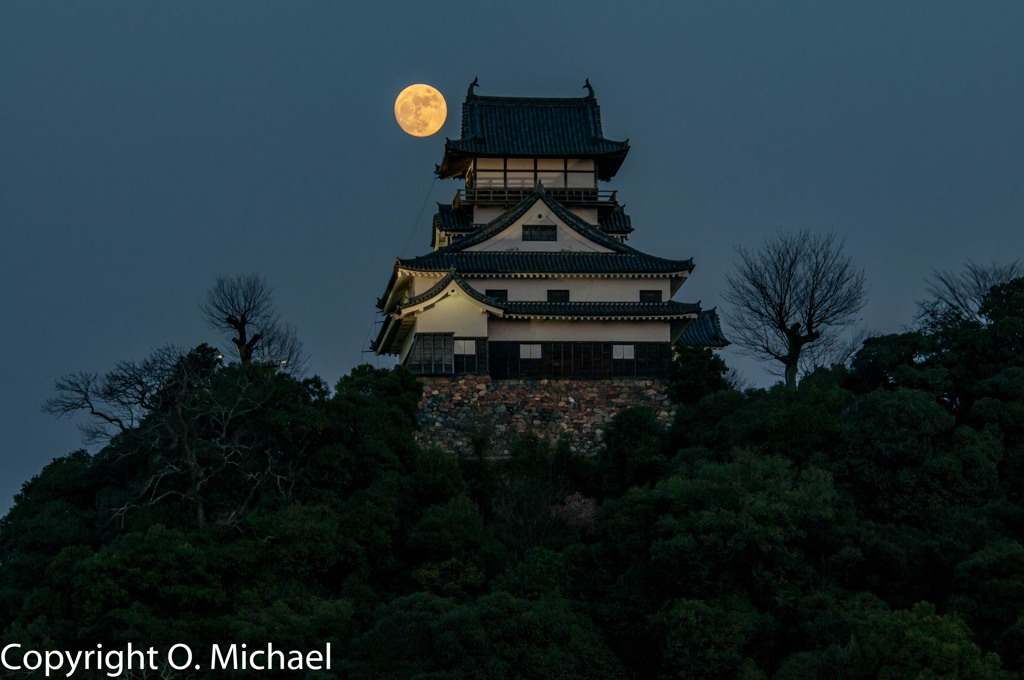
(623, 352)
(558, 296)
(540, 232)
(650, 296)
(524, 173)
(529, 351)
(465, 346)
(431, 354)
(499, 294)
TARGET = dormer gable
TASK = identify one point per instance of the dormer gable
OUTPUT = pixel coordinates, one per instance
(538, 223)
(539, 229)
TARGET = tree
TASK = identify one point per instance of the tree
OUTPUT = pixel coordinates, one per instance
(243, 308)
(796, 290)
(962, 295)
(117, 401)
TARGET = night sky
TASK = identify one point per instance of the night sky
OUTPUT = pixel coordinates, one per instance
(147, 148)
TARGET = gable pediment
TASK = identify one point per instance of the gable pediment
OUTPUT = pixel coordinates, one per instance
(541, 230)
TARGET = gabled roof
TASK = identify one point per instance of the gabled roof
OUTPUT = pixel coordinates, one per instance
(621, 260)
(615, 222)
(532, 127)
(449, 219)
(566, 262)
(399, 322)
(705, 331)
(568, 217)
(450, 278)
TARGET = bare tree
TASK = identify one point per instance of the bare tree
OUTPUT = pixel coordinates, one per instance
(118, 400)
(796, 290)
(243, 307)
(960, 296)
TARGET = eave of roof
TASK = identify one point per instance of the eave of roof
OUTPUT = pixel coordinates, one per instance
(438, 288)
(531, 127)
(519, 264)
(705, 331)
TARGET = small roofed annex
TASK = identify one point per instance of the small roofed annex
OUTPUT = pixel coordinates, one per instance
(530, 275)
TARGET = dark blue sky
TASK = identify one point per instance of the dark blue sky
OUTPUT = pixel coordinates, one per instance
(146, 148)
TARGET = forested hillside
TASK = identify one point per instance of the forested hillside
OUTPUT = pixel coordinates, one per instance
(867, 523)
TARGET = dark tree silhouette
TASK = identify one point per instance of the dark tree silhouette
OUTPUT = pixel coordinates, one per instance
(243, 308)
(117, 400)
(796, 290)
(961, 296)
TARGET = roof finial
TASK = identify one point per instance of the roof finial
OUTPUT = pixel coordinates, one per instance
(539, 187)
(589, 87)
(471, 86)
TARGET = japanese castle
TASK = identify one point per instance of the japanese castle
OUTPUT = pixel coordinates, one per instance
(530, 275)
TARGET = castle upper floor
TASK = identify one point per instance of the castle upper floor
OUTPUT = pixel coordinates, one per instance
(512, 145)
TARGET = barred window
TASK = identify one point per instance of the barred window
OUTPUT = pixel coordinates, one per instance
(431, 354)
(650, 296)
(540, 232)
(558, 296)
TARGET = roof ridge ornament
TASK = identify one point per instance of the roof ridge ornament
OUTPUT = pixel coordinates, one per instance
(474, 84)
(589, 88)
(539, 188)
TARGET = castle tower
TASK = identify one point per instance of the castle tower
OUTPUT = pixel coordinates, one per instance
(530, 276)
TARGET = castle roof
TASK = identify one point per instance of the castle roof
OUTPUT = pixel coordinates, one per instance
(705, 331)
(531, 127)
(620, 260)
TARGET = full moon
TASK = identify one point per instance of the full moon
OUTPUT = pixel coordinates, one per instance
(420, 110)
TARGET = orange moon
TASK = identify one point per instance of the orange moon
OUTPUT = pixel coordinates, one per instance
(420, 110)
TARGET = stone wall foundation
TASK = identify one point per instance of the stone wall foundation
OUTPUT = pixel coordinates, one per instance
(453, 411)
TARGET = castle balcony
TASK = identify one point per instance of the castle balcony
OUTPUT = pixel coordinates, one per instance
(577, 197)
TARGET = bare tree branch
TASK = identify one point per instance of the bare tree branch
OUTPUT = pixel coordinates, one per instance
(960, 296)
(797, 290)
(117, 401)
(243, 307)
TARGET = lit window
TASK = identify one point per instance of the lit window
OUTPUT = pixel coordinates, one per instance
(465, 346)
(529, 351)
(622, 352)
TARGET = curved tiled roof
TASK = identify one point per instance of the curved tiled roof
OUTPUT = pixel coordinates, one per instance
(565, 262)
(615, 222)
(448, 219)
(442, 284)
(705, 331)
(568, 217)
(532, 126)
(621, 260)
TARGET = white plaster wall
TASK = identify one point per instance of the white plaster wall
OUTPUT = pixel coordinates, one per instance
(482, 214)
(582, 290)
(421, 284)
(453, 314)
(581, 331)
(512, 237)
(589, 215)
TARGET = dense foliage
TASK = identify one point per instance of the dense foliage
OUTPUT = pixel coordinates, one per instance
(868, 523)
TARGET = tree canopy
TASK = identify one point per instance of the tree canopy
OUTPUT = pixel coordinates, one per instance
(866, 523)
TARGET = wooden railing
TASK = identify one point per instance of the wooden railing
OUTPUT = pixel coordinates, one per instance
(506, 195)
